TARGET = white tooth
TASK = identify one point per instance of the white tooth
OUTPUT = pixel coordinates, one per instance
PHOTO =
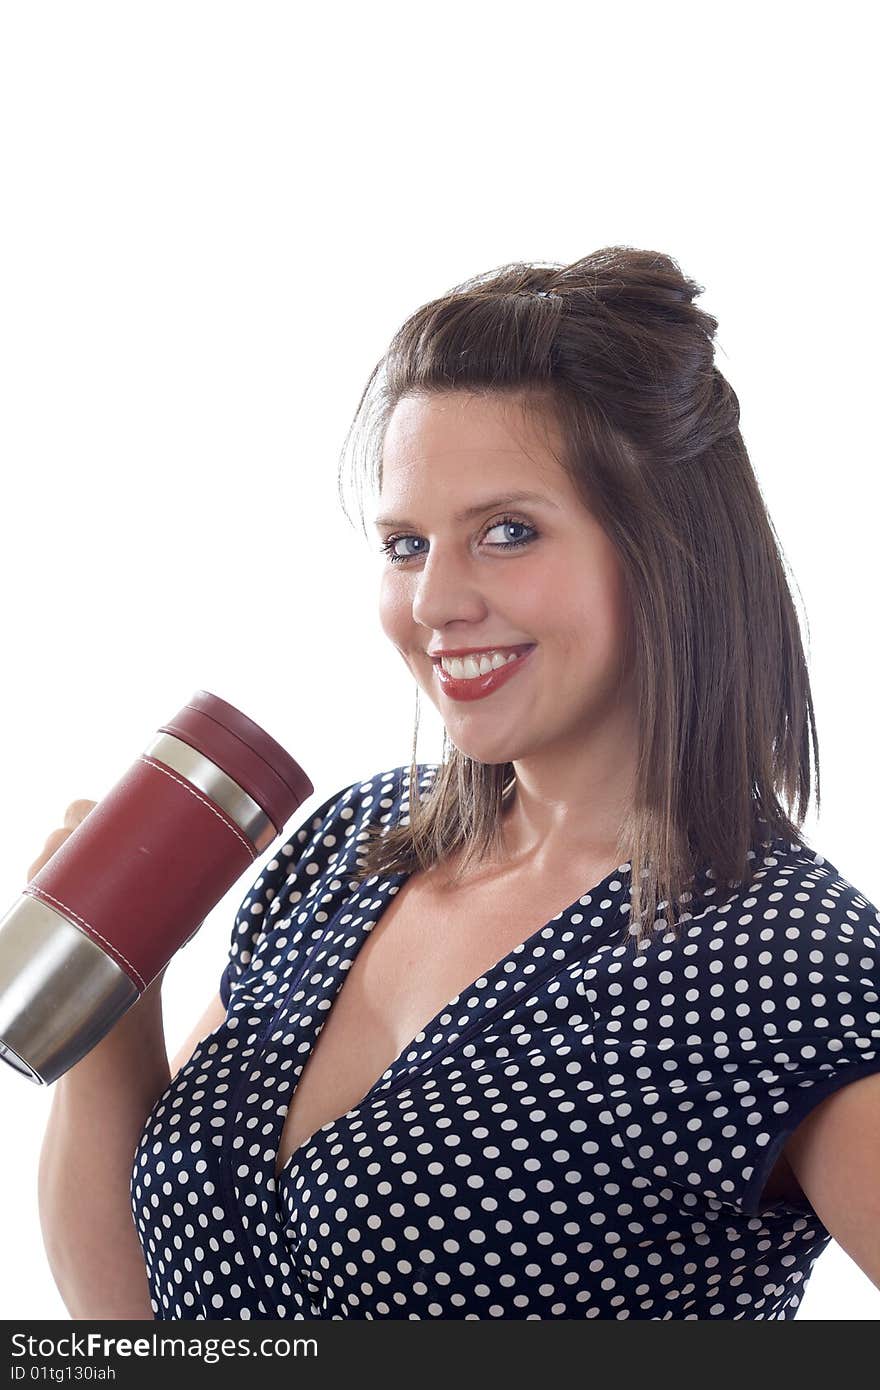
(469, 667)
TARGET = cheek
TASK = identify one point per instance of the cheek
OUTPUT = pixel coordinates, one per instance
(395, 614)
(533, 600)
(591, 618)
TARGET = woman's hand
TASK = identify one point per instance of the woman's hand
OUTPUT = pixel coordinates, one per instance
(75, 813)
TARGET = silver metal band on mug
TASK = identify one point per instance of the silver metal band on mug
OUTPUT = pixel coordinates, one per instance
(218, 785)
(60, 993)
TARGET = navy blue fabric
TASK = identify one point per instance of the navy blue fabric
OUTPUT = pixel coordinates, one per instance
(585, 1131)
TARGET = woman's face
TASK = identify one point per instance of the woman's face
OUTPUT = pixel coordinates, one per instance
(446, 462)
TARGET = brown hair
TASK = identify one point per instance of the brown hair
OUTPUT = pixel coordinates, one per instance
(613, 347)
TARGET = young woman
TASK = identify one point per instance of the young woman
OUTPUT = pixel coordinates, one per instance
(572, 1024)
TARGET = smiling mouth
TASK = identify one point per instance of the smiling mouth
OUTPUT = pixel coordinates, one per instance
(475, 687)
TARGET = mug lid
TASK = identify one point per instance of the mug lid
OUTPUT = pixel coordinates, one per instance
(281, 787)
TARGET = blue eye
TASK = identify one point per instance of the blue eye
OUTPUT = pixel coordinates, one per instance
(387, 546)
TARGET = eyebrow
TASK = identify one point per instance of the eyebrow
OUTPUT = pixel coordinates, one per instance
(489, 505)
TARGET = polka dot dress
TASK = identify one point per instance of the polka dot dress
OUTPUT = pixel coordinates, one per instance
(583, 1132)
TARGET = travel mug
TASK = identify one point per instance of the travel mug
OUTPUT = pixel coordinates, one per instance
(136, 879)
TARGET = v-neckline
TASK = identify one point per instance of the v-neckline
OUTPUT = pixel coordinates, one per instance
(492, 975)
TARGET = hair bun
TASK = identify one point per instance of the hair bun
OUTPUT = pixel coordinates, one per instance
(635, 283)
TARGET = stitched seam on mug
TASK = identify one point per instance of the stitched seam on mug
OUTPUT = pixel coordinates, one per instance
(160, 767)
(38, 892)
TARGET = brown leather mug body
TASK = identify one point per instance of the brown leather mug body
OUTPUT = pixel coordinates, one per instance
(136, 879)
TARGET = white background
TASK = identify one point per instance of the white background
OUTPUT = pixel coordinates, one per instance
(215, 216)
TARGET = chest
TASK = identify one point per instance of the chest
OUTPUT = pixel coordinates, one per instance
(428, 945)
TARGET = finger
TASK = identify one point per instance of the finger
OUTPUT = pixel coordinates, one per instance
(77, 812)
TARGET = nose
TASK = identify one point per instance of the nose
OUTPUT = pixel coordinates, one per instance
(444, 592)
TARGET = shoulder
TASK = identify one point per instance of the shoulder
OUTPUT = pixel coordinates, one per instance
(324, 847)
(797, 905)
(794, 895)
(381, 796)
(382, 790)
(771, 947)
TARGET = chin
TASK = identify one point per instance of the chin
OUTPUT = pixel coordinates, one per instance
(489, 756)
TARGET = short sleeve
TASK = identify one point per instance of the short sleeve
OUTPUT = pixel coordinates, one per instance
(305, 849)
(717, 1047)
